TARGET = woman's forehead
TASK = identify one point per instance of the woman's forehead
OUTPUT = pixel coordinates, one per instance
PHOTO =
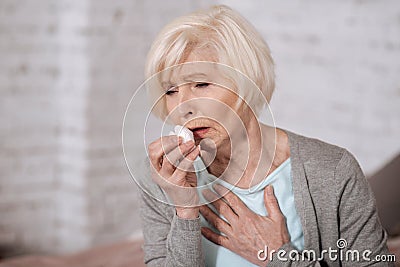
(191, 71)
(188, 67)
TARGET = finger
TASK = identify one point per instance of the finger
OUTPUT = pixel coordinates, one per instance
(214, 237)
(234, 201)
(271, 203)
(215, 220)
(176, 155)
(186, 164)
(221, 206)
(161, 146)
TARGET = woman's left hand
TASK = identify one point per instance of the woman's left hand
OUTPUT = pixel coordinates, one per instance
(247, 232)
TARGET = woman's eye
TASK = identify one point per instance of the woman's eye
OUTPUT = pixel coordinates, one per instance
(171, 91)
(202, 85)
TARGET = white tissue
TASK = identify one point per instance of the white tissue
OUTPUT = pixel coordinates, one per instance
(184, 132)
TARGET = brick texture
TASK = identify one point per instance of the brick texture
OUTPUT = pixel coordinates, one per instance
(337, 67)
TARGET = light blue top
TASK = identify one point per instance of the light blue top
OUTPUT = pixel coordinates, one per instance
(281, 180)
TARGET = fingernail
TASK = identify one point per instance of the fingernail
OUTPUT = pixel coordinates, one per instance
(194, 154)
(189, 143)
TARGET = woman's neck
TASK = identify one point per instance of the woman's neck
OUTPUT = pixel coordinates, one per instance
(256, 152)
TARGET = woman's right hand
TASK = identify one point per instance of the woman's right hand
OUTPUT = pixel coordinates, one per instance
(172, 169)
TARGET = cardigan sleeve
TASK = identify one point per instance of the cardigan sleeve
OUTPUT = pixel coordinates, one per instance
(167, 242)
(359, 225)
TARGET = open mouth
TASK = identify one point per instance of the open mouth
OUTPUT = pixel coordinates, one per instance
(200, 132)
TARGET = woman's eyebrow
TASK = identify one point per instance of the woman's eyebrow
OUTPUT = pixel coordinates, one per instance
(167, 84)
(186, 78)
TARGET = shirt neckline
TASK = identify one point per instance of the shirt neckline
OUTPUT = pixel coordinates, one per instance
(246, 191)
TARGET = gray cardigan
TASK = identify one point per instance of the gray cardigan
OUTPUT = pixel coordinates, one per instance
(332, 197)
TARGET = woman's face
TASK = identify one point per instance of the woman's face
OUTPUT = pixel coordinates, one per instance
(192, 99)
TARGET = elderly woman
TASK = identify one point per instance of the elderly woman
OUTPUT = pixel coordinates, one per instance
(276, 197)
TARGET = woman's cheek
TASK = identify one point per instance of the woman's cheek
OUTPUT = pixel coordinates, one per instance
(169, 104)
(220, 136)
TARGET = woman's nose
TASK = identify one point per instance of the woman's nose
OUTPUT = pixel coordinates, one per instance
(186, 101)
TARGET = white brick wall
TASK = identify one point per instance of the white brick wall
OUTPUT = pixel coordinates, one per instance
(29, 123)
(338, 66)
(68, 69)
